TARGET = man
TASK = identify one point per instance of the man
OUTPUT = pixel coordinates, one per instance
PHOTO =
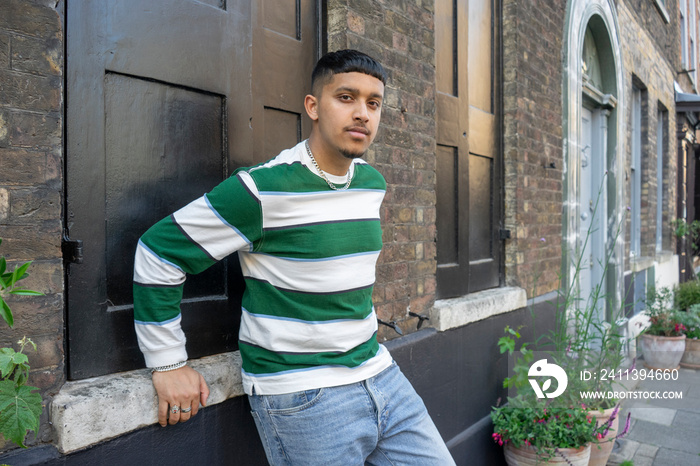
(307, 229)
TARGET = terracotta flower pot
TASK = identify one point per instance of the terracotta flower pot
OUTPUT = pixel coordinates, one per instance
(601, 449)
(526, 456)
(691, 356)
(661, 352)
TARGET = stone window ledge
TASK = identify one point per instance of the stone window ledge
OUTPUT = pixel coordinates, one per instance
(664, 256)
(457, 312)
(639, 264)
(89, 411)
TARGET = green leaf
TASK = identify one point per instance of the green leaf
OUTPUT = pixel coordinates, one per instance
(3, 265)
(506, 344)
(23, 292)
(20, 409)
(6, 365)
(6, 313)
(19, 359)
(19, 273)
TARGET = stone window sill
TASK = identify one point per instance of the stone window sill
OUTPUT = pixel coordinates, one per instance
(457, 312)
(664, 256)
(89, 411)
(639, 264)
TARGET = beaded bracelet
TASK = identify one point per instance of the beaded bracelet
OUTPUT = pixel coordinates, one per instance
(170, 367)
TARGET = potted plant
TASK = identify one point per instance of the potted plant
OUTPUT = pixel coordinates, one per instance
(691, 321)
(535, 430)
(663, 342)
(20, 405)
(531, 432)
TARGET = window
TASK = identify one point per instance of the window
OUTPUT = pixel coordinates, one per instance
(636, 174)
(692, 22)
(662, 6)
(684, 32)
(661, 124)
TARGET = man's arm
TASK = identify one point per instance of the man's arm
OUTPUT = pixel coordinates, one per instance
(189, 241)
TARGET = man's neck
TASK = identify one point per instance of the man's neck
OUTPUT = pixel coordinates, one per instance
(329, 161)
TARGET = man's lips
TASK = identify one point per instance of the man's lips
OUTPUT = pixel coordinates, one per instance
(358, 130)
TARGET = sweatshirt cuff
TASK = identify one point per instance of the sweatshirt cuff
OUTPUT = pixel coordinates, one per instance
(165, 357)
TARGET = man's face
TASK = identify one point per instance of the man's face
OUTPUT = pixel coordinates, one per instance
(347, 110)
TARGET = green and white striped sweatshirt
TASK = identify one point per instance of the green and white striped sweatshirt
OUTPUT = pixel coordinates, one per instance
(308, 255)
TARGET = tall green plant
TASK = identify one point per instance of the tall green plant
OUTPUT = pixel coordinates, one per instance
(581, 330)
(20, 405)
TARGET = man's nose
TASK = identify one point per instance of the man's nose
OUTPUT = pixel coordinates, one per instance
(361, 112)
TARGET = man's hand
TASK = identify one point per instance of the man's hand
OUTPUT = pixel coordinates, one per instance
(183, 388)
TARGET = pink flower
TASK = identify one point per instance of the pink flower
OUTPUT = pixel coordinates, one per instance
(680, 327)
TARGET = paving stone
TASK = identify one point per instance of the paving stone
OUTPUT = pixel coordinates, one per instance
(694, 391)
(685, 404)
(651, 414)
(668, 457)
(688, 420)
(643, 461)
(623, 450)
(671, 437)
(647, 450)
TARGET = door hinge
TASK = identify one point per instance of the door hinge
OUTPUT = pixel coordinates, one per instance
(72, 250)
(504, 234)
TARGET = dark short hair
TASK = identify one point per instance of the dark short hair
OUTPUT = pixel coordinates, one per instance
(345, 61)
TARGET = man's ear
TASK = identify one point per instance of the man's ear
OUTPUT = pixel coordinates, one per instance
(311, 106)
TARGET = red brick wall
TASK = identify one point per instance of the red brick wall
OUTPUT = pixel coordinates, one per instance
(400, 35)
(532, 40)
(31, 183)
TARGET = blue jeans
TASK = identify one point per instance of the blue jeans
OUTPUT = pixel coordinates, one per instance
(380, 421)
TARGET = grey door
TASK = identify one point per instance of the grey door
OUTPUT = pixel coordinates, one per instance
(164, 99)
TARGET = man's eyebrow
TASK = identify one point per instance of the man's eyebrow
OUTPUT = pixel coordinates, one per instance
(351, 90)
(355, 91)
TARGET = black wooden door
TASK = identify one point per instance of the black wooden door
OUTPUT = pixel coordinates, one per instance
(468, 164)
(164, 99)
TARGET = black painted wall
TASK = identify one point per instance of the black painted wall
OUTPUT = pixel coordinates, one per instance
(459, 374)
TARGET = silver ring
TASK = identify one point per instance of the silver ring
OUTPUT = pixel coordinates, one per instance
(175, 409)
(186, 410)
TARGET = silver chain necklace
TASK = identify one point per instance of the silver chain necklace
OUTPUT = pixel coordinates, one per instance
(323, 174)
